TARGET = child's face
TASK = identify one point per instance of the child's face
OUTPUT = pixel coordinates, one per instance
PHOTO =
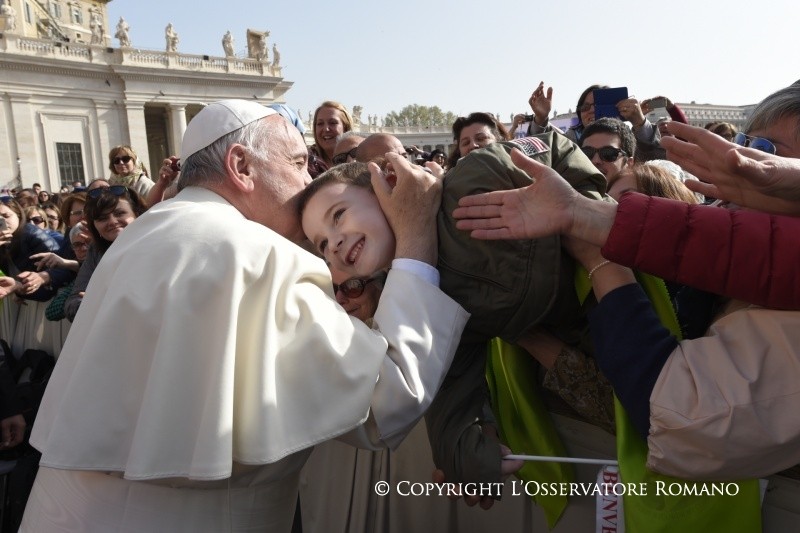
(347, 227)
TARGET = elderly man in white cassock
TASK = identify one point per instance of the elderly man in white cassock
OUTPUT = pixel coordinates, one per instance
(210, 355)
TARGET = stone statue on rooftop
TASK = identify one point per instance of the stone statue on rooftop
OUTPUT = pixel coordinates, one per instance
(276, 56)
(98, 31)
(122, 33)
(227, 44)
(172, 38)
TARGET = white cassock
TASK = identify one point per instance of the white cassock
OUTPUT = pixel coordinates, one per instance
(208, 357)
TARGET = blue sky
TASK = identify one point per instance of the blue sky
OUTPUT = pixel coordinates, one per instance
(488, 56)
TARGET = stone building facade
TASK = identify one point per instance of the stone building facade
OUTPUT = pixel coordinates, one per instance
(67, 95)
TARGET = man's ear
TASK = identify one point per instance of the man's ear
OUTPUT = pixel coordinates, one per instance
(239, 167)
(629, 161)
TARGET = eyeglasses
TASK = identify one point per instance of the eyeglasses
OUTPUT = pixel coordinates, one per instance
(759, 143)
(586, 107)
(36, 220)
(353, 287)
(52, 217)
(116, 190)
(609, 154)
(124, 159)
(80, 244)
(76, 213)
(338, 159)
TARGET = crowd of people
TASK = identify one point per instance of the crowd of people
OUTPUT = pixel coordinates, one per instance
(202, 350)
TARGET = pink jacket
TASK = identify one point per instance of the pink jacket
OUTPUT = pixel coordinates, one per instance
(725, 406)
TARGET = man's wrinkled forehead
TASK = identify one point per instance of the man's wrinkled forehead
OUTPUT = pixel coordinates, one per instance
(283, 137)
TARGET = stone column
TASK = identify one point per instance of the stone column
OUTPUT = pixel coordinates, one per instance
(24, 144)
(137, 130)
(177, 127)
(106, 114)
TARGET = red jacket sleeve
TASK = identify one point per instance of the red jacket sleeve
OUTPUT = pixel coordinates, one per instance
(747, 255)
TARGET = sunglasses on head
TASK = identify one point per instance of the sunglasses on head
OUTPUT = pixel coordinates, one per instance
(759, 143)
(353, 287)
(338, 159)
(609, 154)
(36, 220)
(123, 159)
(116, 190)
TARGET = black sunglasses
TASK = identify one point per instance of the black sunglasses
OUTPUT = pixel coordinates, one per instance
(116, 190)
(353, 287)
(609, 154)
(36, 220)
(338, 159)
(124, 159)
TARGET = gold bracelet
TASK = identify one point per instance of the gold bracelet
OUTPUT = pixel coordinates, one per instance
(598, 267)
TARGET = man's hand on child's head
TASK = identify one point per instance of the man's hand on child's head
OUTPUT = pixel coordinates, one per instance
(410, 199)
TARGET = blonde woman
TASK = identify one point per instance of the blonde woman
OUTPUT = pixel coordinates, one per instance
(127, 170)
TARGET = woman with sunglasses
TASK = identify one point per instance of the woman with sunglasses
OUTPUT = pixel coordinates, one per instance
(36, 216)
(358, 296)
(54, 220)
(127, 170)
(108, 212)
(23, 326)
(44, 197)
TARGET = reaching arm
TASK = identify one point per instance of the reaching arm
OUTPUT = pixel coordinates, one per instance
(745, 176)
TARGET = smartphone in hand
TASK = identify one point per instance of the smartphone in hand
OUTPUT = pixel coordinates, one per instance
(606, 100)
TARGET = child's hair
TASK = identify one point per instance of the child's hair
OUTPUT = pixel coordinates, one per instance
(354, 173)
(656, 181)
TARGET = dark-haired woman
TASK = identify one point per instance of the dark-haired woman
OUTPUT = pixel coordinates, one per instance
(108, 212)
(475, 131)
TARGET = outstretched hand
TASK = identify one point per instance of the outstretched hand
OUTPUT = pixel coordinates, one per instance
(745, 176)
(546, 207)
